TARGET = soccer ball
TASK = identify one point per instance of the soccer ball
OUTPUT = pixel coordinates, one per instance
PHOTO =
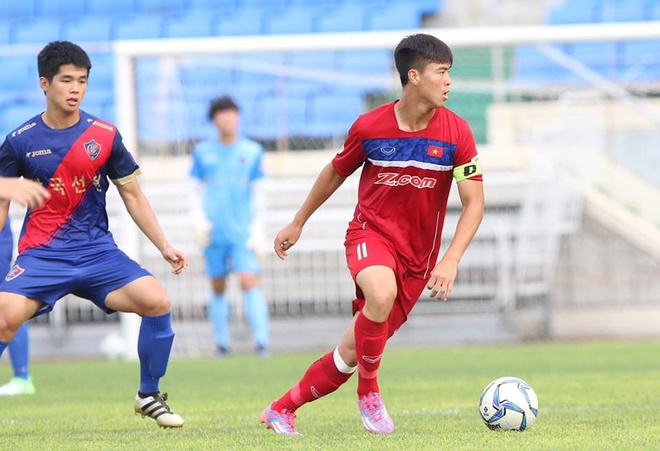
(508, 404)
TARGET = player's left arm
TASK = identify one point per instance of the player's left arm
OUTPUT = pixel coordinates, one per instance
(143, 215)
(471, 193)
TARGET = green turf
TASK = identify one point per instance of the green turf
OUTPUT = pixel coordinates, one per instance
(592, 396)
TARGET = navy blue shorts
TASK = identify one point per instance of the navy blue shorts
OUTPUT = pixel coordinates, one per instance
(89, 276)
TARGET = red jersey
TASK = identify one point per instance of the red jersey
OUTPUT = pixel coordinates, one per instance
(406, 179)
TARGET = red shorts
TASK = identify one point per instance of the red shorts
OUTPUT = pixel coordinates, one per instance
(367, 248)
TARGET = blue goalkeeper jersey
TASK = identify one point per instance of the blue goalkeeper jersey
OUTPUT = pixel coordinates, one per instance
(227, 172)
(74, 164)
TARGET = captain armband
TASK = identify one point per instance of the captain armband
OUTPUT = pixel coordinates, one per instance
(467, 170)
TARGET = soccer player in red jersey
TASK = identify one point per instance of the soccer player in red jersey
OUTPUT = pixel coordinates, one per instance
(410, 151)
(65, 245)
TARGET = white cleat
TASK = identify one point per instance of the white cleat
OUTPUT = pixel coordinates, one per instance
(155, 406)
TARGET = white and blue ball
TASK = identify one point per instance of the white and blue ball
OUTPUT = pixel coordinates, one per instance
(508, 404)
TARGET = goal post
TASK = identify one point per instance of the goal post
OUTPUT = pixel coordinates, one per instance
(519, 124)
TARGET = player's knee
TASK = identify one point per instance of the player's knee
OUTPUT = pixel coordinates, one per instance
(379, 305)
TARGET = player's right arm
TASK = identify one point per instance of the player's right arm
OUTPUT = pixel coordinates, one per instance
(327, 182)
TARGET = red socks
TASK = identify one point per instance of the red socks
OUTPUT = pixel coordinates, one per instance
(322, 378)
(370, 339)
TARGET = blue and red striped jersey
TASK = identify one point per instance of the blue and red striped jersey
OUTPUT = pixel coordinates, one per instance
(75, 164)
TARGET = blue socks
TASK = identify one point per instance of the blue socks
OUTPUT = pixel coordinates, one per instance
(256, 311)
(219, 316)
(19, 348)
(154, 347)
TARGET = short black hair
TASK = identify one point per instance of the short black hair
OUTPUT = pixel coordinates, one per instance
(416, 51)
(59, 53)
(220, 104)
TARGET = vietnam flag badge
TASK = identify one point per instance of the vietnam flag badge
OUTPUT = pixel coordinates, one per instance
(435, 151)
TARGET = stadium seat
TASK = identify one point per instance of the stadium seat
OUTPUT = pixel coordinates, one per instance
(245, 21)
(162, 6)
(398, 16)
(625, 11)
(347, 17)
(5, 32)
(599, 56)
(16, 113)
(331, 114)
(640, 61)
(366, 61)
(102, 75)
(277, 117)
(584, 11)
(114, 8)
(61, 9)
(533, 67)
(194, 23)
(40, 31)
(17, 10)
(213, 5)
(291, 20)
(90, 28)
(18, 74)
(139, 26)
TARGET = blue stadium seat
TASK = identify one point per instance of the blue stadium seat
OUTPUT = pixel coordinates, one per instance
(398, 16)
(348, 17)
(532, 67)
(114, 8)
(18, 74)
(291, 20)
(366, 61)
(40, 31)
(640, 61)
(259, 70)
(245, 21)
(102, 75)
(265, 4)
(277, 117)
(17, 9)
(5, 32)
(162, 6)
(332, 113)
(226, 6)
(90, 28)
(599, 56)
(625, 10)
(61, 9)
(194, 23)
(139, 26)
(583, 11)
(14, 114)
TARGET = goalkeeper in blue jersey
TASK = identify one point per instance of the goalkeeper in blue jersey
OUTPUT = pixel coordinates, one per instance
(227, 210)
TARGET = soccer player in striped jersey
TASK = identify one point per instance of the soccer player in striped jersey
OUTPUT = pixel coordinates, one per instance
(65, 245)
(410, 151)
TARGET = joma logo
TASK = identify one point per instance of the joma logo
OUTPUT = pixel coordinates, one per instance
(394, 179)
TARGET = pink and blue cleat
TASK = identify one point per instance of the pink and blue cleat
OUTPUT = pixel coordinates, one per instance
(374, 414)
(280, 422)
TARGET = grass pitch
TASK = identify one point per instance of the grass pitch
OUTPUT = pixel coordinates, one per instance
(592, 396)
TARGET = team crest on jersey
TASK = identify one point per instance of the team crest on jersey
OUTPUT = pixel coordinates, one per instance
(388, 150)
(14, 272)
(93, 149)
